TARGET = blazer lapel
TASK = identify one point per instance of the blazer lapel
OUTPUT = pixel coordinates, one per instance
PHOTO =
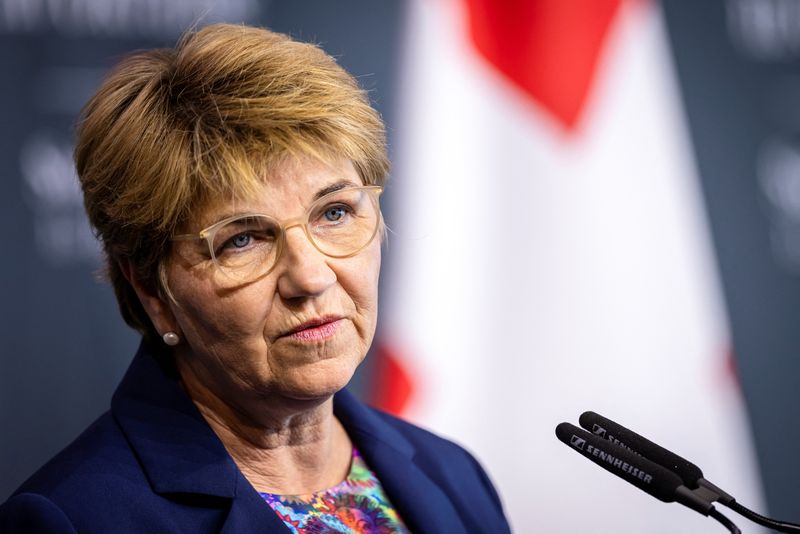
(421, 503)
(249, 513)
(179, 452)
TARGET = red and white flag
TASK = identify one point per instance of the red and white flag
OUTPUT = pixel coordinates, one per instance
(550, 255)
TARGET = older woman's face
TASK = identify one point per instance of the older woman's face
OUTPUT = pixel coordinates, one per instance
(297, 333)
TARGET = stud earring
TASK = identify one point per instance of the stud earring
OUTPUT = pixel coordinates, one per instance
(171, 339)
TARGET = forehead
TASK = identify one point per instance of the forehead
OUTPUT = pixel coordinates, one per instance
(286, 190)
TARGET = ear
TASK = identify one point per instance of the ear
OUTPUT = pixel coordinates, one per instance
(156, 307)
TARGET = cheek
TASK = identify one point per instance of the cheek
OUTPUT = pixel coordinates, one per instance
(372, 259)
(361, 281)
(368, 269)
(215, 317)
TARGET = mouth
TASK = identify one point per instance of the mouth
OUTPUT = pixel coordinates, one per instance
(318, 329)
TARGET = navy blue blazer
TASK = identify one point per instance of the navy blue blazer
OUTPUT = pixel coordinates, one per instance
(152, 464)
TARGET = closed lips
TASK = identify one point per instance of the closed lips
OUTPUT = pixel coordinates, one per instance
(315, 329)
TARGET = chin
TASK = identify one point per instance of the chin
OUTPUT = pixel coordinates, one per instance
(320, 380)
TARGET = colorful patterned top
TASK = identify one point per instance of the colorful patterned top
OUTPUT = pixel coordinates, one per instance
(358, 505)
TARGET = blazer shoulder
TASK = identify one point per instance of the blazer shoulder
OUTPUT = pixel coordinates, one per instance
(97, 465)
(31, 512)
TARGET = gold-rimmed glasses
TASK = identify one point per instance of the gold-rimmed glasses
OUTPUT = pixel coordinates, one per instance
(339, 224)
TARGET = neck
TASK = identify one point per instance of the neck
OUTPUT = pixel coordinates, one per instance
(289, 448)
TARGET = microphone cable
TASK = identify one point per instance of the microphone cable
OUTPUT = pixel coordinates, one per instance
(780, 526)
(716, 514)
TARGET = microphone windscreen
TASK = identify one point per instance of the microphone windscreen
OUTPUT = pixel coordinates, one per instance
(608, 429)
(638, 470)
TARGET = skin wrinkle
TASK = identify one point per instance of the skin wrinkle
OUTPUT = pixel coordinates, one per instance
(267, 395)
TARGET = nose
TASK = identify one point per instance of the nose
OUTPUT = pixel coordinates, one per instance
(305, 271)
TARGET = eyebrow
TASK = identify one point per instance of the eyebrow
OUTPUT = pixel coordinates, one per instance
(334, 187)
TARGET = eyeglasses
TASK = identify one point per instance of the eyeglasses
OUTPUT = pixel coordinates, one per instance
(339, 224)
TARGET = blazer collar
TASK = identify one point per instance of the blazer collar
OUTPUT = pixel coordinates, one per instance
(175, 446)
(179, 452)
(420, 501)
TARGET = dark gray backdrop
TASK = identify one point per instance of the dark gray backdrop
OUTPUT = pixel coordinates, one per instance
(65, 347)
(738, 63)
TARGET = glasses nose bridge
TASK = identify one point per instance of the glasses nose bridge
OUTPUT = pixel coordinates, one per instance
(302, 222)
(291, 223)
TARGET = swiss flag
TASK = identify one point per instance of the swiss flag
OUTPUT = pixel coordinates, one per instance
(547, 48)
(551, 255)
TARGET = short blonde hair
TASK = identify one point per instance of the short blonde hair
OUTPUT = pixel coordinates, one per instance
(170, 130)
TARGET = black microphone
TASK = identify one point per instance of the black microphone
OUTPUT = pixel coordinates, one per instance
(690, 474)
(645, 474)
(691, 489)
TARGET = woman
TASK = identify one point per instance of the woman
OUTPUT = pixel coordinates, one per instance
(234, 183)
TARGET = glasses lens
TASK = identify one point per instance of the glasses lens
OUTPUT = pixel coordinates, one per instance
(245, 248)
(343, 222)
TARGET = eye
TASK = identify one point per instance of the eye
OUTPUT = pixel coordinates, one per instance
(236, 243)
(240, 240)
(243, 236)
(335, 213)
